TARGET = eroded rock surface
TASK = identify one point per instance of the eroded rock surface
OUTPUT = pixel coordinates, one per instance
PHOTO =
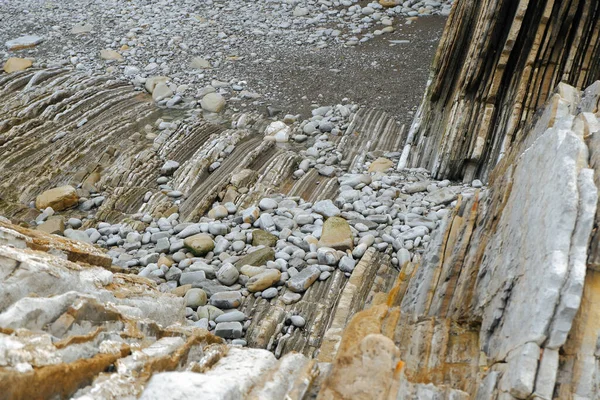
(198, 258)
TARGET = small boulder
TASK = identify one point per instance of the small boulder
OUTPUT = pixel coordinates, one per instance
(257, 258)
(200, 244)
(263, 281)
(15, 64)
(59, 198)
(213, 102)
(381, 165)
(260, 237)
(336, 234)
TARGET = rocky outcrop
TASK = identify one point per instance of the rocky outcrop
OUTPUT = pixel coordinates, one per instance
(497, 64)
(417, 289)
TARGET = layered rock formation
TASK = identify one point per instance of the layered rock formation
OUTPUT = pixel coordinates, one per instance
(499, 302)
(497, 64)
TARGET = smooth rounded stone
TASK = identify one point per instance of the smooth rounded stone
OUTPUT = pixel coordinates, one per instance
(239, 342)
(149, 259)
(251, 271)
(297, 321)
(282, 222)
(218, 212)
(162, 246)
(217, 229)
(280, 255)
(326, 208)
(226, 300)
(327, 171)
(367, 239)
(359, 250)
(200, 244)
(202, 323)
(146, 271)
(210, 312)
(222, 246)
(304, 219)
(347, 264)
(74, 223)
(195, 298)
(300, 282)
(413, 233)
(193, 278)
(269, 293)
(189, 231)
(290, 297)
(266, 221)
(228, 274)
(213, 102)
(328, 256)
(238, 245)
(267, 204)
(404, 257)
(324, 275)
(231, 208)
(477, 184)
(173, 274)
(250, 215)
(263, 280)
(229, 330)
(209, 270)
(179, 256)
(232, 316)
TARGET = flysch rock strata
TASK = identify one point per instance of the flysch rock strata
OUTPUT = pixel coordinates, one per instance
(378, 284)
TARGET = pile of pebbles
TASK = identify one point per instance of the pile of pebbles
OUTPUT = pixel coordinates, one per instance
(196, 44)
(280, 247)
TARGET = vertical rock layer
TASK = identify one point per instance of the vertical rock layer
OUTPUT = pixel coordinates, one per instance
(497, 63)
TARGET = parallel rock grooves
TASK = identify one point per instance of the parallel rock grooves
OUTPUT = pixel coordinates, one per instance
(497, 63)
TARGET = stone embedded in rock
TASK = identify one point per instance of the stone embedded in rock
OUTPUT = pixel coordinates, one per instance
(300, 282)
(243, 178)
(381, 165)
(24, 42)
(59, 198)
(257, 258)
(336, 234)
(263, 280)
(200, 244)
(213, 102)
(15, 64)
(260, 237)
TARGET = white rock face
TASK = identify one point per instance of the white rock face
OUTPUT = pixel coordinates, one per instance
(231, 378)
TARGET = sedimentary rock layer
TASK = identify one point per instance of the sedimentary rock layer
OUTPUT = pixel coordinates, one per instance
(497, 63)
